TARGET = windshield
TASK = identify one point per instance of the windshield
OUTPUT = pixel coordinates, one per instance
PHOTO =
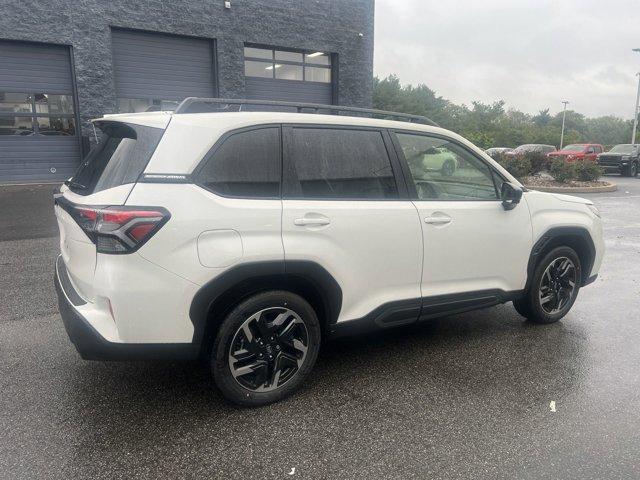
(574, 148)
(628, 148)
(119, 158)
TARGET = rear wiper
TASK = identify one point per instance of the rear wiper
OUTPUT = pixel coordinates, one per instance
(72, 184)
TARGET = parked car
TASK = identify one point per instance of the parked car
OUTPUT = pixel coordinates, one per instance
(623, 159)
(532, 147)
(498, 151)
(578, 152)
(432, 159)
(248, 238)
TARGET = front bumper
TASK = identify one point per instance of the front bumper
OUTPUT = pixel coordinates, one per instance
(93, 346)
(612, 168)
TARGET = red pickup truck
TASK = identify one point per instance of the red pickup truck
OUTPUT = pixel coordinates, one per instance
(578, 152)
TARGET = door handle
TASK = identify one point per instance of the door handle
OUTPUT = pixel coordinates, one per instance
(307, 221)
(437, 220)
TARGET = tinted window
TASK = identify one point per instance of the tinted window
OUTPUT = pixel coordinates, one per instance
(340, 163)
(119, 158)
(442, 170)
(247, 164)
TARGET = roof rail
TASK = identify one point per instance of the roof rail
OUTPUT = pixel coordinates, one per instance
(205, 105)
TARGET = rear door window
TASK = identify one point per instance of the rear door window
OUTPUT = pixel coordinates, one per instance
(119, 158)
(338, 163)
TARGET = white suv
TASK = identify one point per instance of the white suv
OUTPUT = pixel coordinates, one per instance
(248, 237)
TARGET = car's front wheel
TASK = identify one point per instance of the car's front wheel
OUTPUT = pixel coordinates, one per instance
(265, 348)
(554, 287)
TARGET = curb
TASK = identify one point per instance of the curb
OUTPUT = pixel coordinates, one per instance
(610, 187)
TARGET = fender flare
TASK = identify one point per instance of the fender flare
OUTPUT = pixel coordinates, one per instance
(260, 272)
(551, 236)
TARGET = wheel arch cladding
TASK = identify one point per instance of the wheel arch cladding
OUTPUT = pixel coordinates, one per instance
(577, 238)
(216, 298)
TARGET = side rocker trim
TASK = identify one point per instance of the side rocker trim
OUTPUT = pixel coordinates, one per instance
(410, 311)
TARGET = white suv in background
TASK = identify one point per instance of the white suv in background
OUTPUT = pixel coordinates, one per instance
(248, 237)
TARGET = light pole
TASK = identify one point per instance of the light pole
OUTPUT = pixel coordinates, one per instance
(635, 110)
(635, 113)
(564, 114)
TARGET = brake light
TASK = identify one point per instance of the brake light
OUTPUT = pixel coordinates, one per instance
(117, 229)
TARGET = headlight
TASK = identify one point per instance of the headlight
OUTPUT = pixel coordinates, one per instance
(595, 211)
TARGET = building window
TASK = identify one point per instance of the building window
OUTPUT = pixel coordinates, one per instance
(136, 105)
(28, 114)
(287, 65)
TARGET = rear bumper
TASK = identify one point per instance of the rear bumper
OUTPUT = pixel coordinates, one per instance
(93, 346)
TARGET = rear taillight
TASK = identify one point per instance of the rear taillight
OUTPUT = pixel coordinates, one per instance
(117, 229)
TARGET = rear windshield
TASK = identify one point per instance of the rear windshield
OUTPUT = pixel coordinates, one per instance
(119, 158)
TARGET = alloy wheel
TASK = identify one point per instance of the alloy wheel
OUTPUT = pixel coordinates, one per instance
(558, 285)
(268, 349)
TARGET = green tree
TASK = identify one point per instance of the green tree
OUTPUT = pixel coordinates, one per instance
(491, 125)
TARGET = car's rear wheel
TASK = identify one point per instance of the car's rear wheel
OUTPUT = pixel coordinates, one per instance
(633, 169)
(265, 348)
(554, 287)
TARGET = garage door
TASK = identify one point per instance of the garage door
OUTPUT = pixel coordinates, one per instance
(38, 140)
(290, 76)
(157, 71)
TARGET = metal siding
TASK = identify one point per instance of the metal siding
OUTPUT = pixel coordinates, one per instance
(151, 65)
(34, 68)
(288, 90)
(29, 159)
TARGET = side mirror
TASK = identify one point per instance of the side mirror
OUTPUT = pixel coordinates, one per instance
(511, 195)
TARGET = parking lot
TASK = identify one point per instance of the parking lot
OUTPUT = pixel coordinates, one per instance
(466, 396)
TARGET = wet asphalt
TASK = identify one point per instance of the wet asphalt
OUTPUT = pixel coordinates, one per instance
(466, 396)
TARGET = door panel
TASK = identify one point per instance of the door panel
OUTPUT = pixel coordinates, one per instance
(343, 208)
(471, 243)
(373, 249)
(482, 247)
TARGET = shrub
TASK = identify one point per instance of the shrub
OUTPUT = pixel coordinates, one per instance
(588, 171)
(562, 171)
(539, 161)
(519, 166)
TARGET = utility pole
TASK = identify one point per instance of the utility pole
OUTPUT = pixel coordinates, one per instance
(564, 114)
(635, 110)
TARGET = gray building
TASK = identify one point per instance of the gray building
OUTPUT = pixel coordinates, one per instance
(64, 62)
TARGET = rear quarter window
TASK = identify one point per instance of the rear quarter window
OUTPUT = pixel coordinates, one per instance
(119, 158)
(246, 164)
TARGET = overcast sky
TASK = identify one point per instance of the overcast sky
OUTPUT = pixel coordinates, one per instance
(530, 53)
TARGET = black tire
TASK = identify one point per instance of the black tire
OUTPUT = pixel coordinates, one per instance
(533, 305)
(631, 170)
(263, 312)
(522, 306)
